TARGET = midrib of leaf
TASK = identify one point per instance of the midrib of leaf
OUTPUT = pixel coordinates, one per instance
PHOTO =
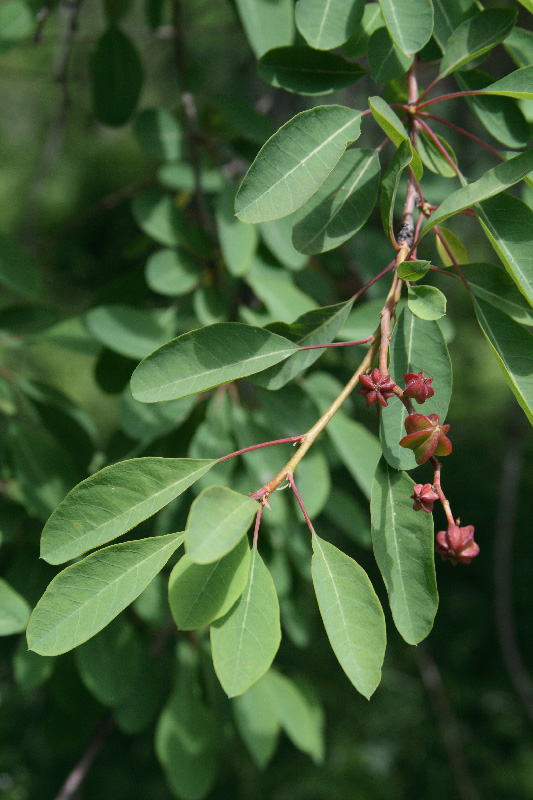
(501, 244)
(246, 610)
(201, 589)
(397, 549)
(341, 206)
(300, 163)
(323, 20)
(495, 345)
(393, 14)
(124, 515)
(321, 327)
(348, 637)
(444, 14)
(112, 585)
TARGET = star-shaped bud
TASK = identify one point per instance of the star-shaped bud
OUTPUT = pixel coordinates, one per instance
(457, 544)
(418, 386)
(424, 496)
(377, 387)
(426, 437)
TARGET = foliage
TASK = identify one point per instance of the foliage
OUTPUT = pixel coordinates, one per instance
(189, 334)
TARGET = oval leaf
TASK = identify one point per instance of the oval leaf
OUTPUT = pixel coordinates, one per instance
(14, 610)
(267, 24)
(386, 61)
(341, 206)
(302, 70)
(131, 332)
(351, 613)
(86, 596)
(200, 593)
(205, 358)
(159, 132)
(113, 501)
(413, 270)
(245, 641)
(391, 125)
(513, 347)
(294, 162)
(426, 302)
(403, 546)
(218, 520)
(256, 716)
(172, 273)
(410, 22)
(328, 25)
(116, 77)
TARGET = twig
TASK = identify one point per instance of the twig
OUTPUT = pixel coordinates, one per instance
(505, 521)
(78, 774)
(449, 728)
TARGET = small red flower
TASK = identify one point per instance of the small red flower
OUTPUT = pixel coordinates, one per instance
(426, 437)
(457, 544)
(424, 497)
(418, 386)
(377, 387)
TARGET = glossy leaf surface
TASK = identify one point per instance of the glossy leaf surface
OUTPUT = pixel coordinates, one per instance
(267, 24)
(245, 641)
(207, 357)
(327, 25)
(518, 84)
(294, 162)
(410, 22)
(86, 596)
(351, 613)
(113, 501)
(403, 546)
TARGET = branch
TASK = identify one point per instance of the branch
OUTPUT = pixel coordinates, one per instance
(78, 774)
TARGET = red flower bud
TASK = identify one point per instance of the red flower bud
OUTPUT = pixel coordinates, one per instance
(377, 387)
(426, 437)
(457, 544)
(424, 497)
(418, 387)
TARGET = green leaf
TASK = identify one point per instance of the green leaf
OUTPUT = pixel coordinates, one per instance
(448, 15)
(256, 716)
(131, 332)
(341, 206)
(433, 158)
(319, 326)
(313, 481)
(389, 185)
(517, 84)
(426, 302)
(159, 133)
(208, 357)
(158, 216)
(267, 24)
(295, 161)
(410, 22)
(86, 596)
(17, 272)
(519, 45)
(277, 291)
(513, 347)
(277, 235)
(495, 285)
(305, 71)
(508, 222)
(14, 610)
(108, 662)
(116, 76)
(403, 547)
(327, 25)
(16, 22)
(200, 593)
(351, 613)
(501, 116)
(172, 272)
(413, 270)
(386, 61)
(218, 520)
(493, 182)
(359, 449)
(238, 240)
(417, 345)
(29, 669)
(296, 714)
(187, 737)
(454, 244)
(358, 44)
(179, 176)
(138, 709)
(114, 501)
(476, 36)
(391, 125)
(147, 421)
(245, 641)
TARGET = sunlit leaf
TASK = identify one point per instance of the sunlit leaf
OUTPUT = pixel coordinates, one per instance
(352, 615)
(410, 22)
(517, 84)
(327, 25)
(501, 116)
(86, 596)
(218, 520)
(427, 302)
(391, 125)
(403, 546)
(476, 36)
(267, 24)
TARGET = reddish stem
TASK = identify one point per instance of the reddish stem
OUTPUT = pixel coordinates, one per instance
(259, 446)
(449, 96)
(438, 488)
(439, 145)
(300, 502)
(335, 344)
(383, 272)
(463, 132)
(454, 260)
(257, 524)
